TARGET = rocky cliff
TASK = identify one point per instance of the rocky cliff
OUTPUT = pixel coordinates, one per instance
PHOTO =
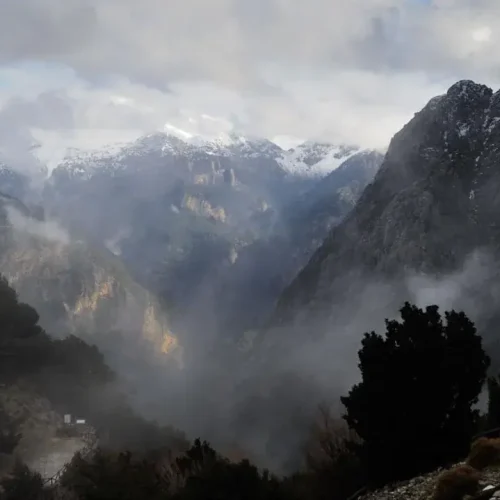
(77, 288)
(216, 230)
(432, 207)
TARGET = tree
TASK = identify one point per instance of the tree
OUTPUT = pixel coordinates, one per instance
(413, 407)
(23, 343)
(493, 416)
(207, 475)
(23, 483)
(332, 466)
(112, 476)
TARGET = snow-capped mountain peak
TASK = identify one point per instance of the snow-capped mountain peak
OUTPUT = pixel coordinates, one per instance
(311, 159)
(315, 158)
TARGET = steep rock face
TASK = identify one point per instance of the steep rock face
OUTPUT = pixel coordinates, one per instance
(263, 269)
(78, 289)
(159, 199)
(433, 202)
(322, 207)
(13, 183)
(196, 223)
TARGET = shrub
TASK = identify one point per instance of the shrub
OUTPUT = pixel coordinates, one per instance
(484, 452)
(453, 484)
(333, 469)
(108, 475)
(23, 484)
(414, 408)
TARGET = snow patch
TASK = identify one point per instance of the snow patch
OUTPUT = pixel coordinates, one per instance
(315, 159)
(494, 122)
(463, 129)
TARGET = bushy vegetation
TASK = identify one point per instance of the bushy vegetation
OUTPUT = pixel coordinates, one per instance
(412, 411)
(453, 484)
(493, 415)
(73, 376)
(484, 452)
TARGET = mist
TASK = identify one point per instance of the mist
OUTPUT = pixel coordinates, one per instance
(256, 392)
(244, 383)
(263, 401)
(47, 229)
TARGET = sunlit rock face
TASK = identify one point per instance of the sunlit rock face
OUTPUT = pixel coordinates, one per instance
(80, 289)
(216, 229)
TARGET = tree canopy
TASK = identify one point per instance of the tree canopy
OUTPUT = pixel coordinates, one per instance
(413, 408)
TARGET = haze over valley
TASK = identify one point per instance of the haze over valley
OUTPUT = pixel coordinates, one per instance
(201, 215)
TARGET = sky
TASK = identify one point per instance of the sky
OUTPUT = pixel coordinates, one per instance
(84, 73)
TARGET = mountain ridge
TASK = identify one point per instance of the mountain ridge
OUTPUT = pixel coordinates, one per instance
(76, 288)
(307, 159)
(429, 206)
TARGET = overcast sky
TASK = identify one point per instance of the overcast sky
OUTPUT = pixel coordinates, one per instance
(85, 72)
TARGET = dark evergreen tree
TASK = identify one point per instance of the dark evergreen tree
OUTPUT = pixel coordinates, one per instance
(113, 476)
(23, 343)
(413, 407)
(208, 476)
(199, 474)
(493, 416)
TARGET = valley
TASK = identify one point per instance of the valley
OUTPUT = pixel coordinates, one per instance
(228, 285)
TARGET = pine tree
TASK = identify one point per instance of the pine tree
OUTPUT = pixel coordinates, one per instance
(23, 342)
(493, 417)
(413, 407)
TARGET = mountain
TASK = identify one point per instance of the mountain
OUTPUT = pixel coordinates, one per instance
(162, 203)
(264, 268)
(323, 206)
(13, 183)
(198, 222)
(431, 214)
(310, 158)
(315, 159)
(77, 288)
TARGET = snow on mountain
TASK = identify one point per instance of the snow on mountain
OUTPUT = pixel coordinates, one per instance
(315, 159)
(308, 159)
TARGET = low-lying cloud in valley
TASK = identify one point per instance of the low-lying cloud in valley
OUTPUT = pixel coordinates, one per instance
(45, 229)
(90, 76)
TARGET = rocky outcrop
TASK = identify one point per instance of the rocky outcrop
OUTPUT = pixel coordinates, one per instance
(197, 223)
(79, 289)
(432, 204)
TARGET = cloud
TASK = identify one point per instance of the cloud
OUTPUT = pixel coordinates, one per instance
(48, 230)
(329, 70)
(345, 106)
(231, 41)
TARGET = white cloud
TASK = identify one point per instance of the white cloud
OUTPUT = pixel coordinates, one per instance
(47, 229)
(482, 34)
(351, 71)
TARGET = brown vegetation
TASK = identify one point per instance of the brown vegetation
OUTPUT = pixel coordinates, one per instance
(484, 452)
(453, 484)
